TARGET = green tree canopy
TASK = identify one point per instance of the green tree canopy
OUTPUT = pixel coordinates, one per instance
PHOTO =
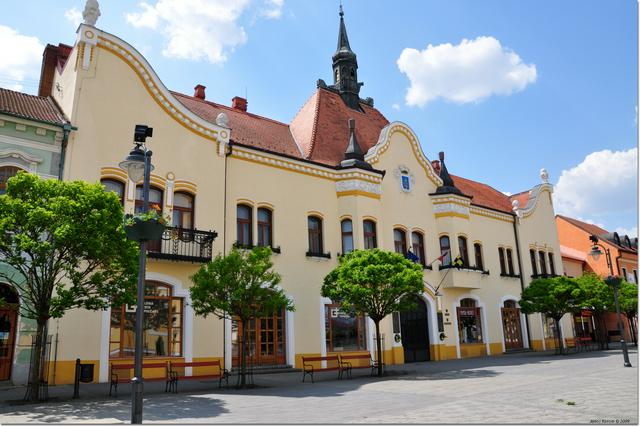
(628, 300)
(375, 283)
(552, 297)
(240, 285)
(596, 295)
(66, 248)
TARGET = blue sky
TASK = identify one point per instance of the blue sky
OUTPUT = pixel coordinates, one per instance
(568, 102)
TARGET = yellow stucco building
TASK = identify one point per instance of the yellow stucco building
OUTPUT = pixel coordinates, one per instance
(339, 176)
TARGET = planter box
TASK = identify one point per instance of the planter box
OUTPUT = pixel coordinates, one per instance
(143, 230)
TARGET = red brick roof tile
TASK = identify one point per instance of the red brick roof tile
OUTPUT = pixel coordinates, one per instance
(31, 107)
(246, 128)
(330, 135)
(483, 195)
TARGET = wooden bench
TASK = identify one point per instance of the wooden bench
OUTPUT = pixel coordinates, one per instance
(347, 362)
(117, 378)
(177, 373)
(332, 364)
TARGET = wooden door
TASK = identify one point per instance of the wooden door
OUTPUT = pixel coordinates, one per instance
(265, 341)
(8, 322)
(512, 328)
(415, 333)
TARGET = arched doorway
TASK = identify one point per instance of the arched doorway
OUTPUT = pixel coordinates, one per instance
(8, 328)
(511, 325)
(414, 326)
(266, 340)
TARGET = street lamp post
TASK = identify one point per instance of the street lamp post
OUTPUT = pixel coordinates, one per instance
(614, 282)
(138, 165)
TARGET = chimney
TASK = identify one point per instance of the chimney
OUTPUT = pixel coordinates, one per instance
(199, 92)
(239, 103)
(436, 166)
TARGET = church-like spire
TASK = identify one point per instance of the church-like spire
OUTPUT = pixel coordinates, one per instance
(353, 155)
(345, 69)
(343, 40)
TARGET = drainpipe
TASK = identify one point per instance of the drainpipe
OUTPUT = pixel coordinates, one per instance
(515, 233)
(224, 251)
(66, 129)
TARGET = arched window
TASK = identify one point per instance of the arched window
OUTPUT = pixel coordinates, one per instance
(162, 324)
(543, 263)
(464, 253)
(445, 250)
(510, 304)
(315, 235)
(552, 266)
(370, 239)
(346, 227)
(469, 323)
(510, 262)
(155, 199)
(7, 172)
(265, 227)
(417, 244)
(534, 266)
(244, 215)
(115, 186)
(183, 216)
(477, 251)
(503, 269)
(400, 241)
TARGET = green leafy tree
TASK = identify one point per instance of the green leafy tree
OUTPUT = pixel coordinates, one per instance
(552, 297)
(376, 283)
(239, 286)
(66, 248)
(628, 299)
(596, 295)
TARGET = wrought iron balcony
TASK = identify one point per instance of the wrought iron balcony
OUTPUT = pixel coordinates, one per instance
(183, 245)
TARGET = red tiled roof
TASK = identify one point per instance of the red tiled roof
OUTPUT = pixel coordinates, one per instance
(246, 128)
(587, 227)
(327, 116)
(522, 197)
(31, 107)
(483, 195)
(319, 132)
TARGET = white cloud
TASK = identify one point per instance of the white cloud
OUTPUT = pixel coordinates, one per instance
(74, 16)
(468, 72)
(604, 183)
(200, 29)
(272, 9)
(21, 58)
(631, 232)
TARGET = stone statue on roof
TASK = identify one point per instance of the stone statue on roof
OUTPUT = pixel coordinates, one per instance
(91, 12)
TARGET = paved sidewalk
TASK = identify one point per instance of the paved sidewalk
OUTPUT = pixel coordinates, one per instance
(523, 388)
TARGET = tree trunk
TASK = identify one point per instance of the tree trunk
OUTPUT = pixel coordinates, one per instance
(559, 345)
(378, 347)
(599, 329)
(37, 357)
(243, 355)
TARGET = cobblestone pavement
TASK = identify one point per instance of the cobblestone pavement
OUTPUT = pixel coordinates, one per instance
(524, 388)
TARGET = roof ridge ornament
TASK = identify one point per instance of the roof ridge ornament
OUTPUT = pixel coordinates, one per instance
(448, 187)
(91, 12)
(353, 155)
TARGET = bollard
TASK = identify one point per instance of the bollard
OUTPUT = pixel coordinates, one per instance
(76, 380)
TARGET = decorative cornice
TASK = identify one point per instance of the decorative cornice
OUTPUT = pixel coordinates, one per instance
(360, 186)
(303, 168)
(373, 155)
(534, 196)
(14, 153)
(492, 214)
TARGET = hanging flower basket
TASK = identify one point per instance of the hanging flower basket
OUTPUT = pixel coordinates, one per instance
(144, 227)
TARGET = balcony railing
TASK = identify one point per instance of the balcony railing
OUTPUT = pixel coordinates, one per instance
(183, 245)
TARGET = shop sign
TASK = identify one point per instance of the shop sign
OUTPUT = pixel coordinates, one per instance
(467, 312)
(585, 313)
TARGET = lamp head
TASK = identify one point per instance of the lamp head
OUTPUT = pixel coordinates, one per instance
(134, 164)
(595, 253)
